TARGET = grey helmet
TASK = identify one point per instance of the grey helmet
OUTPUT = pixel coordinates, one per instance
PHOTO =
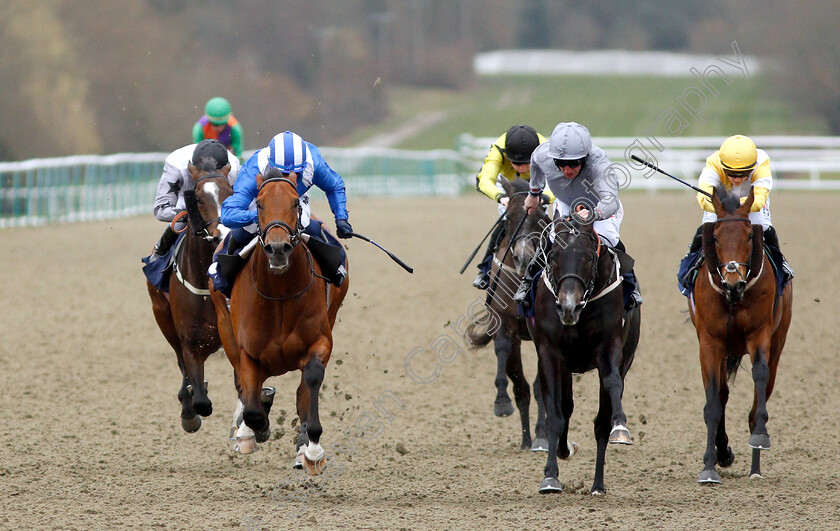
(569, 141)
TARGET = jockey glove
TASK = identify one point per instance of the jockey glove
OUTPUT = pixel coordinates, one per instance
(343, 228)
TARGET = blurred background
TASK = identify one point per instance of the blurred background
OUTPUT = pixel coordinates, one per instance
(111, 76)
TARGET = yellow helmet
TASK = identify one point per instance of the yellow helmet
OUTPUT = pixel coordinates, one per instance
(738, 153)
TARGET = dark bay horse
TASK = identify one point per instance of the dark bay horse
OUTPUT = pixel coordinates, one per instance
(281, 316)
(735, 310)
(186, 315)
(509, 263)
(579, 325)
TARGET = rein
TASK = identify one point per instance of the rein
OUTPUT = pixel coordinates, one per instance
(588, 286)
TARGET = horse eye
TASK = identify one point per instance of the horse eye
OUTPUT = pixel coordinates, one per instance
(259, 206)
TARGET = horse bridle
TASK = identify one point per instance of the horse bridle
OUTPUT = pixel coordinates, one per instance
(732, 265)
(588, 285)
(203, 231)
(294, 233)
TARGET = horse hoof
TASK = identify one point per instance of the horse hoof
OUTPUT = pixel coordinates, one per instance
(573, 449)
(314, 464)
(729, 459)
(550, 486)
(598, 491)
(191, 425)
(267, 398)
(503, 408)
(756, 475)
(255, 420)
(620, 435)
(540, 444)
(203, 408)
(709, 476)
(299, 459)
(245, 445)
(262, 436)
(759, 441)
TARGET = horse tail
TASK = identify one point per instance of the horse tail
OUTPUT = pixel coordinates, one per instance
(732, 363)
(478, 331)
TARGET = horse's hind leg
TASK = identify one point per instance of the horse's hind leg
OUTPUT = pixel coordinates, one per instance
(521, 390)
(502, 344)
(313, 454)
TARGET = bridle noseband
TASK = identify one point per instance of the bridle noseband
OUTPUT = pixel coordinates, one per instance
(294, 233)
(733, 266)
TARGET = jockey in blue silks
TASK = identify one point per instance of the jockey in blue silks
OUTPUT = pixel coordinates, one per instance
(289, 153)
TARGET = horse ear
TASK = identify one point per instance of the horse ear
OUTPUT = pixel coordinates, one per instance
(260, 180)
(225, 170)
(507, 186)
(716, 193)
(745, 208)
(193, 169)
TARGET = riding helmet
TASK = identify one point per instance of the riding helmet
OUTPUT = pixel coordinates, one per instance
(217, 111)
(520, 142)
(569, 141)
(212, 149)
(738, 153)
(288, 151)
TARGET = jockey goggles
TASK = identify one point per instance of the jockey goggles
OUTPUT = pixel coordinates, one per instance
(738, 174)
(560, 163)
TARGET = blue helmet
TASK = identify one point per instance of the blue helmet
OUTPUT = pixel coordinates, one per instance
(287, 151)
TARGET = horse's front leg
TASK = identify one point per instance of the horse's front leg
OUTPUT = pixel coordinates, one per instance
(549, 374)
(714, 378)
(313, 457)
(251, 378)
(502, 344)
(763, 377)
(521, 390)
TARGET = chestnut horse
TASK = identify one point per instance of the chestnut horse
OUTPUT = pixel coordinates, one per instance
(736, 310)
(186, 315)
(580, 324)
(509, 264)
(281, 316)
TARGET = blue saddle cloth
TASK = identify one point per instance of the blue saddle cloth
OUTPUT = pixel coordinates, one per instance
(157, 272)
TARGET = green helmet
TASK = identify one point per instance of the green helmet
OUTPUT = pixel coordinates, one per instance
(217, 111)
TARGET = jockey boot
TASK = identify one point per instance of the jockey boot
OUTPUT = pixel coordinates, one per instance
(163, 245)
(329, 257)
(631, 284)
(772, 239)
(482, 279)
(534, 266)
(697, 242)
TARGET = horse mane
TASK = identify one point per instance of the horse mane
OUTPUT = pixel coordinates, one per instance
(728, 200)
(207, 164)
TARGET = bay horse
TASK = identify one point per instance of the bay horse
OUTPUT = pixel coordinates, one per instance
(580, 324)
(735, 310)
(509, 264)
(186, 315)
(282, 312)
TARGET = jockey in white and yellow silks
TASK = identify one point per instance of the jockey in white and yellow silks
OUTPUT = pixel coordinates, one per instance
(740, 167)
(509, 157)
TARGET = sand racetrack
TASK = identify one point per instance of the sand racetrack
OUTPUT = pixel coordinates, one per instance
(93, 438)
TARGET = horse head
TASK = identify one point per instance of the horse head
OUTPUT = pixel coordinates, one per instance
(278, 207)
(732, 242)
(573, 267)
(524, 243)
(204, 204)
